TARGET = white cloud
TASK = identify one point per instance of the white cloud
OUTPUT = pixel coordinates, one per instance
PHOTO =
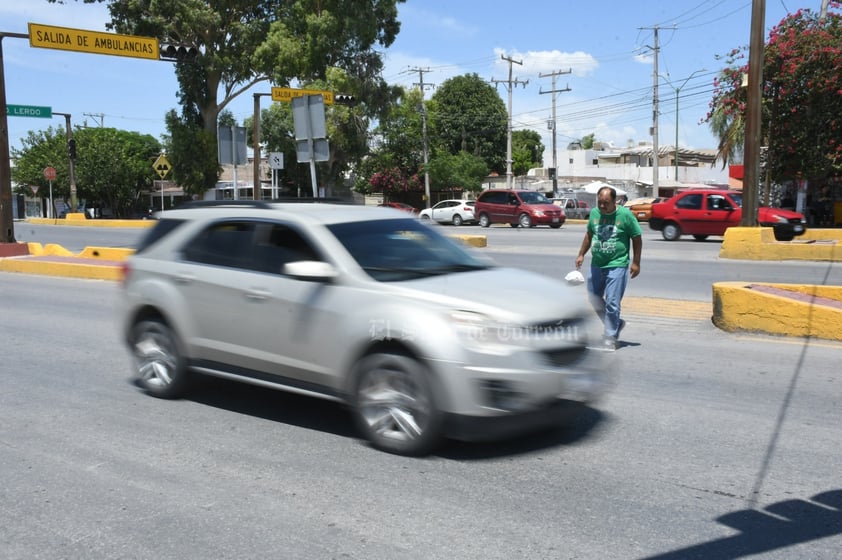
(542, 62)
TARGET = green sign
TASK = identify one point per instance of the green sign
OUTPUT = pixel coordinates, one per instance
(29, 111)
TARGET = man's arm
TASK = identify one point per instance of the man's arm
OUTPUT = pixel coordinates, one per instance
(637, 247)
(586, 245)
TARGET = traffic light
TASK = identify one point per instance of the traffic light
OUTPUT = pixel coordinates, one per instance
(71, 148)
(177, 51)
(343, 99)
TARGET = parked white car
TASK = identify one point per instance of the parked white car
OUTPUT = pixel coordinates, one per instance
(456, 212)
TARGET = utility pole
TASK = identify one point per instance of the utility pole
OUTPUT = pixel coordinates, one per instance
(655, 148)
(677, 91)
(7, 223)
(423, 110)
(257, 192)
(510, 83)
(553, 91)
(753, 114)
(95, 116)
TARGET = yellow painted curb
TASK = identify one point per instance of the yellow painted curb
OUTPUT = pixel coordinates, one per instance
(737, 307)
(67, 270)
(759, 244)
(106, 253)
(93, 223)
(473, 240)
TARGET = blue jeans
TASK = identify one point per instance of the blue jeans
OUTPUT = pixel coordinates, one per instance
(606, 287)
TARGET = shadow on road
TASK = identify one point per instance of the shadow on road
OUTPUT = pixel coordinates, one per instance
(777, 526)
(334, 418)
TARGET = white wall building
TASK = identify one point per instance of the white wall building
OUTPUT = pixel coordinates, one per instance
(631, 168)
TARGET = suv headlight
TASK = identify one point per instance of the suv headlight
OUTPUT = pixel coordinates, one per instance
(481, 333)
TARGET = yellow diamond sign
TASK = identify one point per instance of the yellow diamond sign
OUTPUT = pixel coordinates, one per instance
(162, 166)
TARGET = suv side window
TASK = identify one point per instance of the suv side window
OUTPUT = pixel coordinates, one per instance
(690, 202)
(278, 244)
(222, 244)
(159, 231)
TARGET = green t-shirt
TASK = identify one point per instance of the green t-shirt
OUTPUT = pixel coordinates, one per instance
(611, 237)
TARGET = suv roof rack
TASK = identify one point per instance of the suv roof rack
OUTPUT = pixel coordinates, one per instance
(265, 204)
(209, 203)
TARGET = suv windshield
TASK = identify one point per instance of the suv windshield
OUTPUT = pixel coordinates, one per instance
(396, 250)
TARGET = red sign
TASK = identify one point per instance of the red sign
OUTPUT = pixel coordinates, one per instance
(50, 173)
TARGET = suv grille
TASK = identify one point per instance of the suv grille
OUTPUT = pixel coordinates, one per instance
(565, 357)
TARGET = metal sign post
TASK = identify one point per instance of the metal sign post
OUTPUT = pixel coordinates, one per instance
(50, 176)
(231, 144)
(162, 167)
(308, 115)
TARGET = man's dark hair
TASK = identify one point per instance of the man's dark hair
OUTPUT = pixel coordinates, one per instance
(610, 190)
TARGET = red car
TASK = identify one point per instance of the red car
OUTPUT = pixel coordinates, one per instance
(400, 206)
(704, 212)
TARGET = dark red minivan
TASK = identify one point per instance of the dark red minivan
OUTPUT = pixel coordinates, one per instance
(518, 208)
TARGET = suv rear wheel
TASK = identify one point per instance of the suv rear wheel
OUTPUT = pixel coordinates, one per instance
(158, 360)
(457, 220)
(394, 405)
(484, 221)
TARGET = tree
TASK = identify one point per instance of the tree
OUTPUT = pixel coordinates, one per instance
(347, 130)
(467, 115)
(112, 166)
(244, 42)
(462, 171)
(801, 105)
(398, 141)
(587, 141)
(527, 151)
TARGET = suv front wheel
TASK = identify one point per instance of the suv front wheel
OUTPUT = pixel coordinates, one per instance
(394, 404)
(158, 360)
(524, 220)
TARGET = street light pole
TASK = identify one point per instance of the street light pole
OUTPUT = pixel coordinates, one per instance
(677, 91)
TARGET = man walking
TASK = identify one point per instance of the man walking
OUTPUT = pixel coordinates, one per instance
(611, 231)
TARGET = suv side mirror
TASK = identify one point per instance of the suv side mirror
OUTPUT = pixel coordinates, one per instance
(317, 271)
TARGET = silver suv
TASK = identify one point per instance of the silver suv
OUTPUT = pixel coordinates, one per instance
(419, 335)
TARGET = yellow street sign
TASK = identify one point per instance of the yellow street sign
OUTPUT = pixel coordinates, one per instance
(81, 40)
(162, 166)
(286, 94)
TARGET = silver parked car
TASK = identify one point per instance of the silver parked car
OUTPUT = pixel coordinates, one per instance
(454, 211)
(421, 337)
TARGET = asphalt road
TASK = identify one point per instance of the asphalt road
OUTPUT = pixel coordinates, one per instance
(683, 269)
(711, 445)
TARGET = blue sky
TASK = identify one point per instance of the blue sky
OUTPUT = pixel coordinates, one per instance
(607, 46)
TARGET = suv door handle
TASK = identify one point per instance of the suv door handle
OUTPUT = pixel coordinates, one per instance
(184, 278)
(257, 294)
